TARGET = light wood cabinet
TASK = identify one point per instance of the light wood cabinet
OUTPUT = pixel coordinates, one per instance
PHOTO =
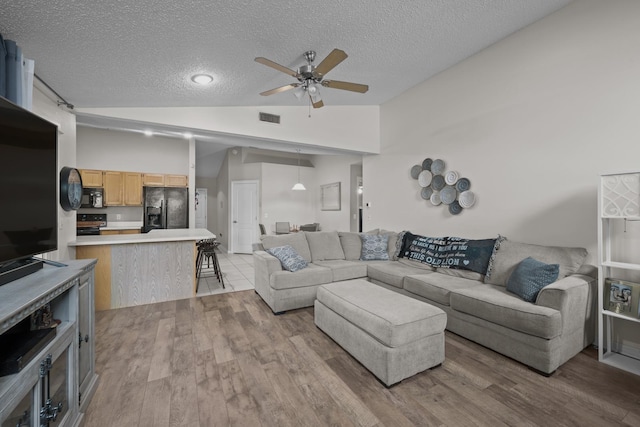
(132, 189)
(113, 232)
(91, 178)
(153, 180)
(122, 188)
(113, 188)
(176, 181)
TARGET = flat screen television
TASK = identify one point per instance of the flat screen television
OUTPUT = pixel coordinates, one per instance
(28, 185)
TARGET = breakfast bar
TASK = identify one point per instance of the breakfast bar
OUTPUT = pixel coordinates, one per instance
(136, 269)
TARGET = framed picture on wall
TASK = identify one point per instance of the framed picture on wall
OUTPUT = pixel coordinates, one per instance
(621, 296)
(330, 197)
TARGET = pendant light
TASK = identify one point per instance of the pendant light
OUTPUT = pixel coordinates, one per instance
(299, 186)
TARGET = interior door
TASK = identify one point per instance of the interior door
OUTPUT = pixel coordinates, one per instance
(201, 208)
(244, 215)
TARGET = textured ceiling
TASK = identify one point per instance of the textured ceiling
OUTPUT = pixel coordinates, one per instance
(141, 53)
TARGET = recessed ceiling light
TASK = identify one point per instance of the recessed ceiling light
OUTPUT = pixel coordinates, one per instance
(148, 132)
(202, 79)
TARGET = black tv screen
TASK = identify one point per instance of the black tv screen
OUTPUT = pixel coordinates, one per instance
(28, 184)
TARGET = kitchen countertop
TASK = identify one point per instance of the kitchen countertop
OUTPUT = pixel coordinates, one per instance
(154, 236)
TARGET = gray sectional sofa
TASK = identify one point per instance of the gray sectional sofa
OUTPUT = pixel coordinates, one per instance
(543, 334)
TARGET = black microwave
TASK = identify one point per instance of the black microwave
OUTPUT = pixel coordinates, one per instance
(92, 198)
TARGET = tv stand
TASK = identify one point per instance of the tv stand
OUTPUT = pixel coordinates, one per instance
(20, 268)
(59, 378)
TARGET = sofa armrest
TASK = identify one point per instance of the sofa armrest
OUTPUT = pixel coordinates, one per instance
(574, 297)
(264, 265)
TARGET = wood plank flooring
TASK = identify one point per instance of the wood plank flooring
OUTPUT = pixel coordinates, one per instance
(226, 360)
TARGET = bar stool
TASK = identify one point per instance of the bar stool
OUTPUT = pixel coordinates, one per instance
(207, 250)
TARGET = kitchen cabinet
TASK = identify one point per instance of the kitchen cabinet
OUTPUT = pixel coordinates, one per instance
(132, 190)
(113, 188)
(91, 178)
(122, 188)
(176, 181)
(153, 180)
(53, 387)
(113, 232)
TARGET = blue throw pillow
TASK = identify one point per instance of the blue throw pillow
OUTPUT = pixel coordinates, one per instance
(530, 276)
(289, 258)
(374, 247)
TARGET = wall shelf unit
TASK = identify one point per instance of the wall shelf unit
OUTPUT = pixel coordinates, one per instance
(618, 202)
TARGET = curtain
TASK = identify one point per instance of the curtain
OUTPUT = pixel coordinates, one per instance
(16, 74)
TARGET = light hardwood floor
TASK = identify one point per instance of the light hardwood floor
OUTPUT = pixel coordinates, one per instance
(225, 359)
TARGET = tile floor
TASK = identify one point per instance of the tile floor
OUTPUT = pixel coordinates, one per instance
(237, 270)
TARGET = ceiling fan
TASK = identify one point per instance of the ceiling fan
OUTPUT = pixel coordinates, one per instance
(310, 77)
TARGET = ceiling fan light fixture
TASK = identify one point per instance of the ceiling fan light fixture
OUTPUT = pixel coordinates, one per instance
(299, 92)
(314, 92)
(202, 79)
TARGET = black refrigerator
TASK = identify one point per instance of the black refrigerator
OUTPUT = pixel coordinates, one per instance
(165, 207)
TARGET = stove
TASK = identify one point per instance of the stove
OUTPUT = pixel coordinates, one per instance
(89, 224)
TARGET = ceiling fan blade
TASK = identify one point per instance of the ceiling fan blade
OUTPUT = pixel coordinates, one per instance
(353, 87)
(276, 66)
(280, 89)
(334, 58)
(318, 104)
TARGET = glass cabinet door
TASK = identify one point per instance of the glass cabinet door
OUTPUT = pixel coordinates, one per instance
(21, 415)
(55, 391)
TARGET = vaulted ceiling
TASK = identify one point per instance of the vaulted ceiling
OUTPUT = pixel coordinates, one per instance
(142, 53)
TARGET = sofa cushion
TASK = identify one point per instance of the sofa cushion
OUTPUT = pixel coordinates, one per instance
(465, 274)
(288, 257)
(324, 245)
(391, 272)
(374, 247)
(436, 287)
(391, 247)
(415, 264)
(495, 304)
(510, 254)
(352, 244)
(448, 252)
(313, 275)
(530, 276)
(376, 311)
(297, 240)
(345, 270)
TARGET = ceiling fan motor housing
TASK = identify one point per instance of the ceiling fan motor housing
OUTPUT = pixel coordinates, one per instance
(307, 72)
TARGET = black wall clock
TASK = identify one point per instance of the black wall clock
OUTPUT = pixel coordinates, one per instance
(70, 189)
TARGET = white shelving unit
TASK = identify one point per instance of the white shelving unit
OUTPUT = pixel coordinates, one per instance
(618, 201)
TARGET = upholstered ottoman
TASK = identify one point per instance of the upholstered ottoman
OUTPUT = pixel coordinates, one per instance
(392, 335)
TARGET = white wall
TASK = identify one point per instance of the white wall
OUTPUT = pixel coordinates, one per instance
(281, 204)
(330, 169)
(330, 126)
(211, 184)
(531, 121)
(49, 110)
(127, 151)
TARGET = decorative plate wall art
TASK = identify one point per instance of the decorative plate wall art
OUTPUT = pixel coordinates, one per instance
(442, 188)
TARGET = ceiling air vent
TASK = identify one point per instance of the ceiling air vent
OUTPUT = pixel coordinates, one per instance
(271, 118)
